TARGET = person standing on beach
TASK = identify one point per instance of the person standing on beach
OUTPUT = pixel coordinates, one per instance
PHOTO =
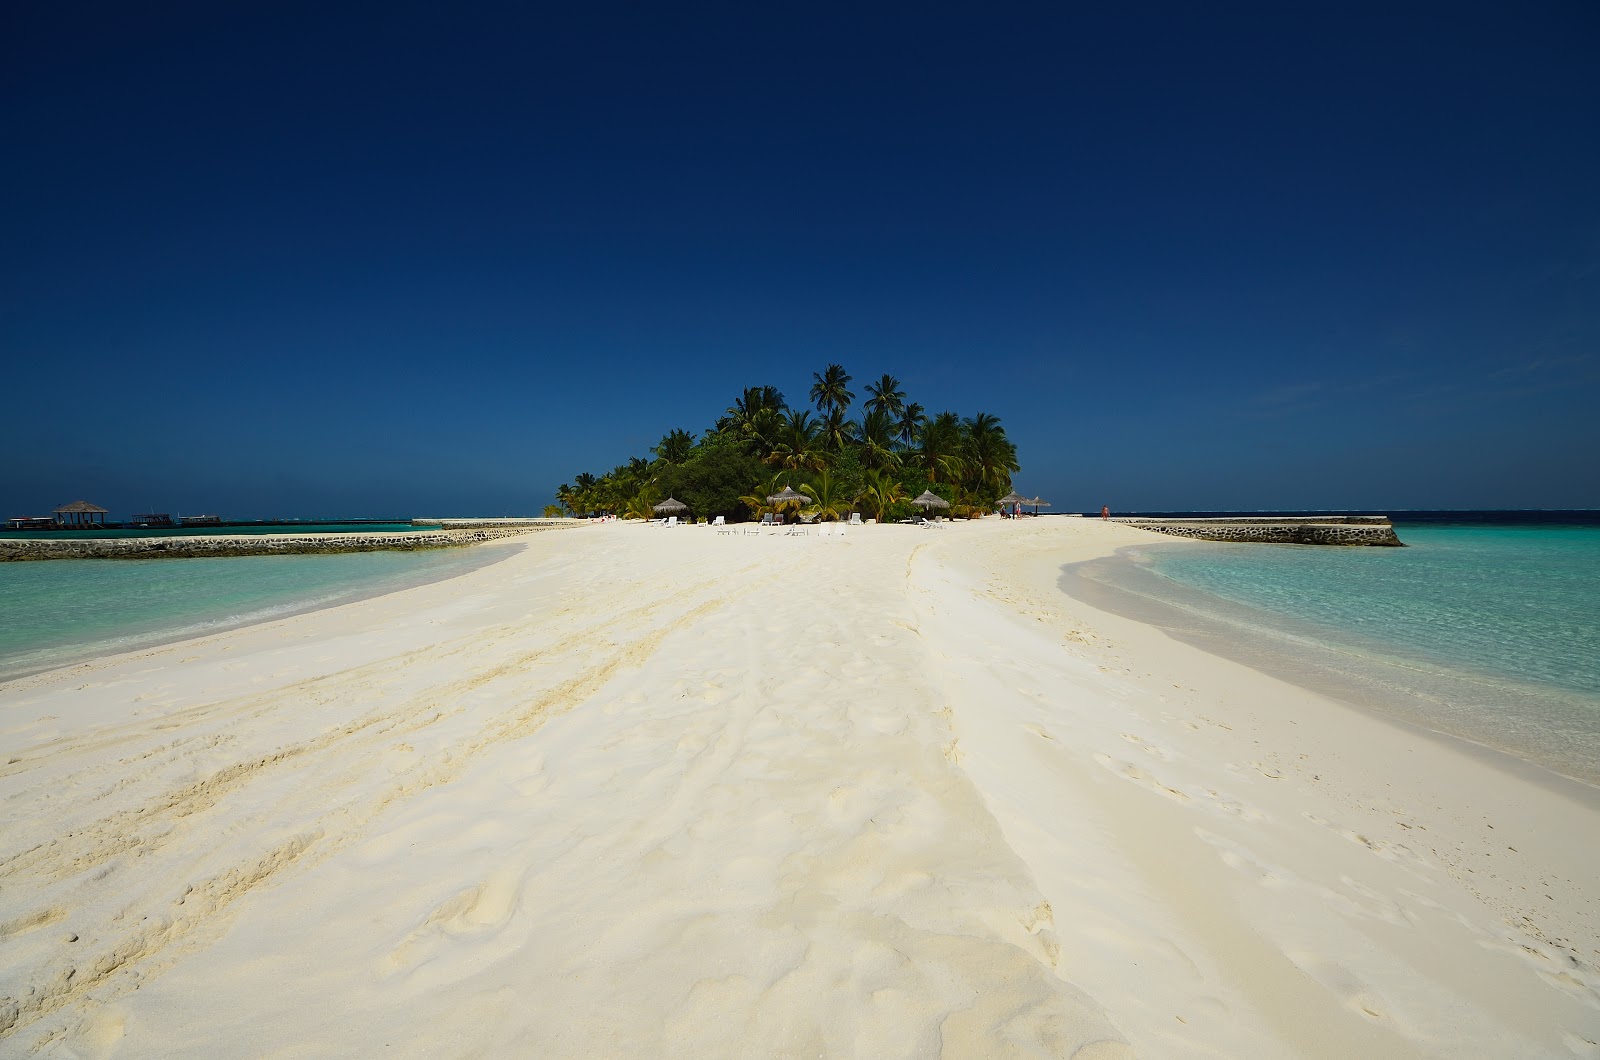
(1105, 512)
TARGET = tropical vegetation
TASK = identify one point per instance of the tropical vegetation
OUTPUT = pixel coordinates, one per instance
(873, 462)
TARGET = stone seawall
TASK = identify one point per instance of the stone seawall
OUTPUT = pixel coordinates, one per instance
(1281, 530)
(13, 549)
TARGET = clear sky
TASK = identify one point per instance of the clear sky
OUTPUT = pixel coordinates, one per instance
(346, 259)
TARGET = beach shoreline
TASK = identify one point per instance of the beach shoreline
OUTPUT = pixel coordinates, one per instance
(488, 552)
(697, 794)
(1352, 675)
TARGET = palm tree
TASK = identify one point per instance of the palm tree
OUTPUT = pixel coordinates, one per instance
(584, 493)
(830, 389)
(674, 446)
(757, 501)
(989, 455)
(836, 431)
(887, 397)
(877, 441)
(911, 421)
(566, 495)
(879, 493)
(795, 447)
(755, 417)
(938, 449)
(827, 499)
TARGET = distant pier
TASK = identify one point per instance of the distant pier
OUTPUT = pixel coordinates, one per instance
(1280, 529)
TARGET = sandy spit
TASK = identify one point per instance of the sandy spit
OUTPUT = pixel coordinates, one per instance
(646, 792)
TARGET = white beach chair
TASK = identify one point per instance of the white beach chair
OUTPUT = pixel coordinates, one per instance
(766, 520)
(841, 529)
(855, 518)
(672, 520)
(826, 530)
(718, 521)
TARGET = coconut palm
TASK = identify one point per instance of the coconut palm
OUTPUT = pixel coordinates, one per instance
(911, 421)
(797, 446)
(757, 501)
(830, 389)
(989, 455)
(887, 397)
(584, 485)
(674, 447)
(879, 493)
(835, 431)
(827, 498)
(938, 450)
(876, 441)
(567, 496)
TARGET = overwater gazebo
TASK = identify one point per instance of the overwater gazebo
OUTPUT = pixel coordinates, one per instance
(80, 513)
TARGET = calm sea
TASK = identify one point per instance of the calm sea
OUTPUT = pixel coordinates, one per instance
(1486, 627)
(55, 612)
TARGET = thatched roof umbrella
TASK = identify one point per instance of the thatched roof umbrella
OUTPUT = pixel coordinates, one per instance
(671, 505)
(1037, 504)
(930, 499)
(1013, 498)
(788, 496)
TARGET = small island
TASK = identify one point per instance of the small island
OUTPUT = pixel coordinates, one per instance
(877, 464)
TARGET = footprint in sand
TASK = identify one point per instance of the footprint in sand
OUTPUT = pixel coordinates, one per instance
(1150, 749)
(478, 911)
(101, 1033)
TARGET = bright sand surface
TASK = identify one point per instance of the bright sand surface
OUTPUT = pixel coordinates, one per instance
(647, 792)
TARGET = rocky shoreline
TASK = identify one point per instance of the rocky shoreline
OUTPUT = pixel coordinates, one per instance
(459, 532)
(1281, 530)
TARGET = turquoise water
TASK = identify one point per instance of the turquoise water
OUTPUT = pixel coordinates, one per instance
(1489, 632)
(61, 611)
(1521, 602)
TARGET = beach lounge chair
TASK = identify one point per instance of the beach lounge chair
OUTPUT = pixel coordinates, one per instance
(766, 520)
(718, 521)
(795, 530)
(826, 530)
(855, 518)
(750, 528)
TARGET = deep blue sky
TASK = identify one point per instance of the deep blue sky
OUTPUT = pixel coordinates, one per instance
(308, 259)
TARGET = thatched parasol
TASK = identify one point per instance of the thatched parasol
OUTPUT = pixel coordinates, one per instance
(930, 499)
(1037, 504)
(1013, 498)
(788, 496)
(671, 505)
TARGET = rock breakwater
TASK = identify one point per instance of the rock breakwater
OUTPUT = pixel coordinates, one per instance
(15, 549)
(1281, 530)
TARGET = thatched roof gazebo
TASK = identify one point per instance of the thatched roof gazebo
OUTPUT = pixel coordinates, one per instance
(80, 513)
(1037, 504)
(930, 499)
(671, 504)
(1013, 498)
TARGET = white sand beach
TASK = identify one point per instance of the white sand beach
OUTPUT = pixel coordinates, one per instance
(638, 792)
